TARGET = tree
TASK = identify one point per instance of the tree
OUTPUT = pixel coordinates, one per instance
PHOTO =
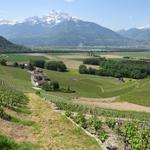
(3, 62)
(15, 64)
(22, 66)
(37, 63)
(55, 85)
(56, 66)
(83, 69)
(30, 67)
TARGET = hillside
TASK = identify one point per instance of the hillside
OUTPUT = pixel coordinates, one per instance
(60, 29)
(7, 46)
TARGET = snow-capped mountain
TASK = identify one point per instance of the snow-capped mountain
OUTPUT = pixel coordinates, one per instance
(61, 29)
(53, 18)
(6, 22)
(141, 34)
(144, 27)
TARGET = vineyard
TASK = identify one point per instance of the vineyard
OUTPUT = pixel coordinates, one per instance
(11, 99)
(132, 134)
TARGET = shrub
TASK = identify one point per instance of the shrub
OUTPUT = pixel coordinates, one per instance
(46, 87)
(54, 85)
(83, 69)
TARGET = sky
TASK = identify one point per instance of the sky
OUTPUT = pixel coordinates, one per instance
(114, 14)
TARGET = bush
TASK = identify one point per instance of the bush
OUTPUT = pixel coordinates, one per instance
(83, 69)
(54, 85)
(46, 87)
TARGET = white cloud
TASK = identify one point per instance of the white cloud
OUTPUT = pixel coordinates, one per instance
(69, 1)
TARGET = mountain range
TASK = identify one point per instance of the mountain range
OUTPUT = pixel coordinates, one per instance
(61, 29)
(141, 34)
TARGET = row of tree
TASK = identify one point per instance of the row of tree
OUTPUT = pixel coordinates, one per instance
(50, 65)
(117, 68)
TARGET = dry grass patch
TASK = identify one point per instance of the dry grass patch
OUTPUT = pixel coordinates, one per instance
(109, 103)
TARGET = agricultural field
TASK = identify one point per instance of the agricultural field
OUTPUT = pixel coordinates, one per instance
(20, 57)
(102, 109)
(134, 55)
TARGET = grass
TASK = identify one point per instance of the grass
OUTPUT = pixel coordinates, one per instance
(134, 91)
(16, 78)
(90, 86)
(8, 144)
(20, 57)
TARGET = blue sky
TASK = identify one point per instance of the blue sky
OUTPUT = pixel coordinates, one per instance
(114, 14)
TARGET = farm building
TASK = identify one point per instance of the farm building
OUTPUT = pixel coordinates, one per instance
(38, 78)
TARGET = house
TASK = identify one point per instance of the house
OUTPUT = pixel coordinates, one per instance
(38, 78)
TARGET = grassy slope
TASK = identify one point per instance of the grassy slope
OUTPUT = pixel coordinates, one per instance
(91, 86)
(15, 77)
(140, 94)
(20, 58)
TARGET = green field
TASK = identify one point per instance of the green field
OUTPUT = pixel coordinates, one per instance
(20, 57)
(91, 86)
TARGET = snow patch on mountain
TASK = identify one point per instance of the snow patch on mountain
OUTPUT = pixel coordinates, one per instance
(6, 22)
(144, 27)
(54, 17)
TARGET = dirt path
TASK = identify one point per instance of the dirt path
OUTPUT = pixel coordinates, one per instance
(54, 131)
(109, 103)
